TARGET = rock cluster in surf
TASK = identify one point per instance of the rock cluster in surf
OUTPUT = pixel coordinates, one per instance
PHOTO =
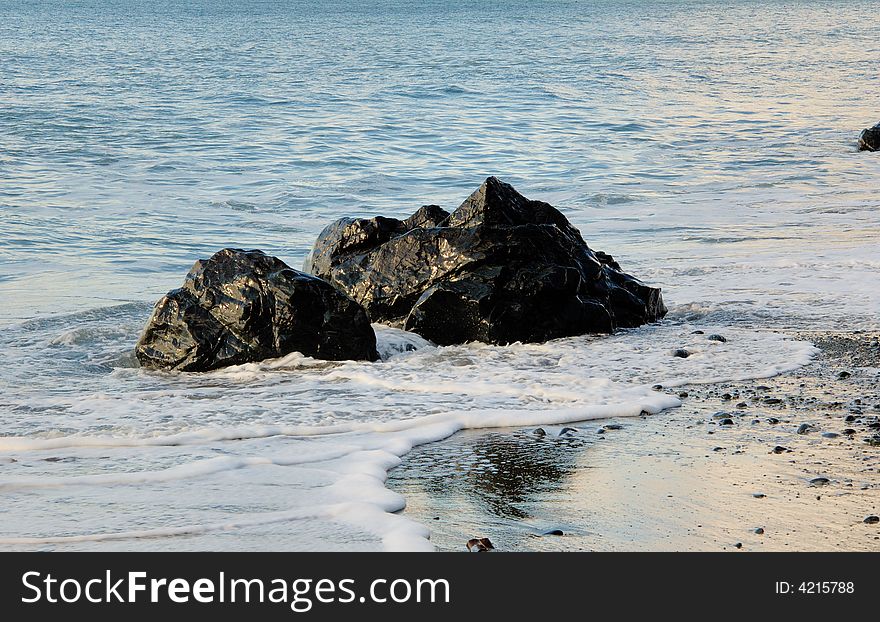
(243, 306)
(499, 269)
(869, 139)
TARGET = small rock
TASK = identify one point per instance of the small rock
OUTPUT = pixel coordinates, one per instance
(830, 434)
(613, 426)
(727, 397)
(872, 519)
(772, 400)
(553, 532)
(869, 139)
(657, 387)
(681, 353)
(873, 440)
(819, 481)
(539, 432)
(772, 420)
(843, 375)
(850, 418)
(727, 421)
(759, 531)
(849, 431)
(479, 545)
(567, 431)
(738, 545)
(683, 394)
(779, 449)
(697, 332)
(758, 495)
(804, 428)
(719, 338)
(742, 405)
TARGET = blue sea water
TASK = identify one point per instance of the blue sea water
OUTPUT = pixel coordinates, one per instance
(709, 146)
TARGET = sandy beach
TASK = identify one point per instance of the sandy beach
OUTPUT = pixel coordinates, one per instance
(789, 463)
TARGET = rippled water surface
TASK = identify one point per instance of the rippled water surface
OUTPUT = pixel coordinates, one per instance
(710, 147)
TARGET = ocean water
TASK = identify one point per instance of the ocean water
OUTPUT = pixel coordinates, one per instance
(710, 147)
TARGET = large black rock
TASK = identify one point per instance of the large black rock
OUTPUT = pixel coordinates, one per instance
(869, 139)
(499, 269)
(243, 306)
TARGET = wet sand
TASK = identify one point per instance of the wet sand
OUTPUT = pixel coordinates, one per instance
(790, 463)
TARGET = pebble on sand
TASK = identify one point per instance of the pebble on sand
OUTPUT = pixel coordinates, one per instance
(479, 545)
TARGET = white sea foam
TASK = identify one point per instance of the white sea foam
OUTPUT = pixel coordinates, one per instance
(359, 420)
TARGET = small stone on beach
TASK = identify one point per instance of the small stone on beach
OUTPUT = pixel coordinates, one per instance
(479, 545)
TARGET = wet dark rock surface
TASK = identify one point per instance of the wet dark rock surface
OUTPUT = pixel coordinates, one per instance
(499, 269)
(244, 306)
(869, 139)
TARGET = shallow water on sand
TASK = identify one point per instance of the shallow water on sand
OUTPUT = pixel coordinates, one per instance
(718, 162)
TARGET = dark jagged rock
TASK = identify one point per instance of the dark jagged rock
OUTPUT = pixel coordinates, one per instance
(243, 306)
(501, 268)
(869, 139)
